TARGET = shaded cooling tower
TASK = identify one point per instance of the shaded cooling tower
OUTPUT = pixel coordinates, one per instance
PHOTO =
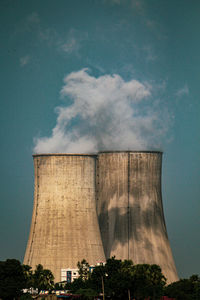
(64, 227)
(130, 211)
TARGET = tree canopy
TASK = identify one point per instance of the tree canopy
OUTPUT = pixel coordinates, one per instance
(15, 277)
(184, 289)
(42, 278)
(119, 279)
(12, 279)
(115, 279)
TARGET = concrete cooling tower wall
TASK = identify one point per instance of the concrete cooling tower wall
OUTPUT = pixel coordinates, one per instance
(130, 211)
(64, 227)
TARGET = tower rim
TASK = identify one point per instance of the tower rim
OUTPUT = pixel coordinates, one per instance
(64, 154)
(131, 151)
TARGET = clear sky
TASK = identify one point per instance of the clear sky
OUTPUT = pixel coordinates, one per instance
(86, 75)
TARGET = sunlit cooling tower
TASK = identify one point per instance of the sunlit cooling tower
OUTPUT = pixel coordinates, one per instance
(130, 211)
(64, 227)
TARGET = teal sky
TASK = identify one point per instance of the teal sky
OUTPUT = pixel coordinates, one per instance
(153, 45)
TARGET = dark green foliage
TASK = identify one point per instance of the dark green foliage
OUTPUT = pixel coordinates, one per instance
(12, 279)
(77, 284)
(117, 280)
(59, 286)
(83, 269)
(42, 279)
(26, 297)
(87, 294)
(184, 289)
(148, 280)
(28, 274)
(120, 279)
(97, 277)
(15, 277)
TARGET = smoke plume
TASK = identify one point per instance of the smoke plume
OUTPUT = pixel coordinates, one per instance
(104, 113)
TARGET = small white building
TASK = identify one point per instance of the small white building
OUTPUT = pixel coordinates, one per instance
(69, 275)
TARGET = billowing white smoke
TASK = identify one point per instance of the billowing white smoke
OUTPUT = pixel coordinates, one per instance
(104, 113)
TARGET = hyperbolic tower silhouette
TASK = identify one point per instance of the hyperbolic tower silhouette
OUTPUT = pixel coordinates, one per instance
(130, 210)
(64, 227)
(122, 187)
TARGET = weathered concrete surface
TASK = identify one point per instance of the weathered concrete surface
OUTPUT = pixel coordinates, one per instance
(64, 227)
(130, 211)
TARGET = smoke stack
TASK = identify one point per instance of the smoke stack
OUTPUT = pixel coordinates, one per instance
(130, 210)
(64, 227)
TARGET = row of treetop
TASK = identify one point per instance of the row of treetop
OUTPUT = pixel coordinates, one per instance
(114, 280)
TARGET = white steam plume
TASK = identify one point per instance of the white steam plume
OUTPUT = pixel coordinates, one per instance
(105, 113)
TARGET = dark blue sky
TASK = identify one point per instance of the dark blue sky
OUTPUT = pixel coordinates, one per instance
(149, 45)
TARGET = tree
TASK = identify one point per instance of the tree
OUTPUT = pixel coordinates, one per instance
(87, 294)
(28, 274)
(26, 296)
(59, 286)
(43, 278)
(76, 285)
(12, 279)
(148, 280)
(184, 289)
(83, 269)
(195, 281)
(97, 279)
(112, 279)
(119, 280)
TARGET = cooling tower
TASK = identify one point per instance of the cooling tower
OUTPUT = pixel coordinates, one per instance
(64, 227)
(130, 211)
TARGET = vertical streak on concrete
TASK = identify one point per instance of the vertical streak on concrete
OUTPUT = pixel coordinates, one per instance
(138, 195)
(64, 227)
